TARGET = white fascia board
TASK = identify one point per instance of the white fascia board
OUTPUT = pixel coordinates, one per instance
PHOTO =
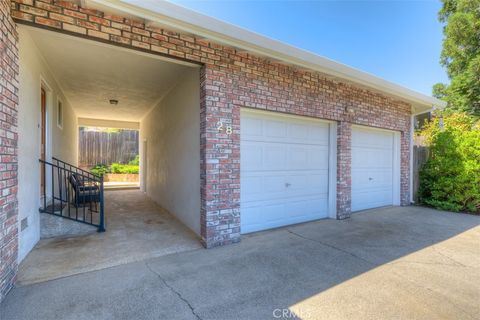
(186, 20)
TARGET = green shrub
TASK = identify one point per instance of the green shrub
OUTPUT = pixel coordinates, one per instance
(123, 168)
(450, 179)
(135, 161)
(100, 170)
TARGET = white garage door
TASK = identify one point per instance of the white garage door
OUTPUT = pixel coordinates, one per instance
(284, 170)
(375, 168)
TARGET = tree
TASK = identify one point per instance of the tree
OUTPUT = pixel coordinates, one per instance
(450, 179)
(461, 55)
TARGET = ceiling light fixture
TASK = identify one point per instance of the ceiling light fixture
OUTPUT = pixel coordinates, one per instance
(114, 102)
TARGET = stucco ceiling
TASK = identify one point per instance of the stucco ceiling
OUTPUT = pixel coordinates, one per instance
(91, 74)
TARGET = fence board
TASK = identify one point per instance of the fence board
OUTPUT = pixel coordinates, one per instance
(106, 147)
(420, 156)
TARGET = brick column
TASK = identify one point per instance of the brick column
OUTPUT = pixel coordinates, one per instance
(344, 170)
(8, 149)
(220, 160)
(405, 166)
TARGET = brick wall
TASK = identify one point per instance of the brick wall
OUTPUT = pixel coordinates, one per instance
(344, 178)
(230, 80)
(8, 149)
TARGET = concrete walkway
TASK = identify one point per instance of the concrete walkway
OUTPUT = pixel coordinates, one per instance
(402, 263)
(137, 229)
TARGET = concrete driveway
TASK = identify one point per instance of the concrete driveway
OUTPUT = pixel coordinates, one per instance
(402, 263)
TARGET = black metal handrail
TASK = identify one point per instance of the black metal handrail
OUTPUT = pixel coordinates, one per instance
(71, 167)
(73, 193)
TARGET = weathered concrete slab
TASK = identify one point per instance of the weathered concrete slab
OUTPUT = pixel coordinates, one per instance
(402, 263)
(137, 229)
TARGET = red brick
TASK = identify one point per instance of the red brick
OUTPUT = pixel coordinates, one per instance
(91, 12)
(114, 18)
(48, 22)
(140, 44)
(48, 7)
(34, 11)
(74, 28)
(98, 34)
(159, 49)
(121, 26)
(60, 17)
(120, 39)
(99, 20)
(88, 25)
(75, 14)
(9, 71)
(111, 31)
(141, 32)
(67, 4)
(22, 16)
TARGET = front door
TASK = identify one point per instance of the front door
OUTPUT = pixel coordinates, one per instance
(43, 127)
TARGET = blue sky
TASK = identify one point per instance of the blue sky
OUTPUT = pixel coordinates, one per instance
(396, 40)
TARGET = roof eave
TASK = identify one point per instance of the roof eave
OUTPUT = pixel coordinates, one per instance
(179, 18)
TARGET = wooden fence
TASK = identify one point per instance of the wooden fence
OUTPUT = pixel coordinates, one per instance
(106, 147)
(420, 156)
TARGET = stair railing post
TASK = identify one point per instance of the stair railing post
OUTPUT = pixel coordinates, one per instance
(101, 227)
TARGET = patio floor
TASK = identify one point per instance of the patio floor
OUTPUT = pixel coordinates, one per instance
(137, 229)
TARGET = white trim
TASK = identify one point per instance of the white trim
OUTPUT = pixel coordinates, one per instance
(48, 116)
(332, 171)
(60, 102)
(396, 168)
(185, 20)
(43, 83)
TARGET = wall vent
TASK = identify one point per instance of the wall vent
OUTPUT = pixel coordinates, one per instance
(24, 224)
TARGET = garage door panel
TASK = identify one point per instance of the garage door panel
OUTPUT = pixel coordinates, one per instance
(371, 179)
(372, 168)
(260, 156)
(307, 157)
(252, 156)
(275, 129)
(275, 157)
(289, 167)
(251, 128)
(365, 157)
(372, 138)
(264, 215)
(285, 130)
(273, 185)
(363, 200)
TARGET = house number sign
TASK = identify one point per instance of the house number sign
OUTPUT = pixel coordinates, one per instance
(221, 127)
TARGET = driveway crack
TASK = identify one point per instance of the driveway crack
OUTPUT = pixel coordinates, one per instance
(178, 294)
(447, 257)
(330, 246)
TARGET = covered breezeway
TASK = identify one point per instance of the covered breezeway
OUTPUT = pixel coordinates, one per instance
(75, 81)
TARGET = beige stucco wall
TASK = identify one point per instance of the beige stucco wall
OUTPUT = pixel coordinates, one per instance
(61, 143)
(172, 163)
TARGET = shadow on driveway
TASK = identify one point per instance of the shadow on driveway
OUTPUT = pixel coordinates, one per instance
(400, 262)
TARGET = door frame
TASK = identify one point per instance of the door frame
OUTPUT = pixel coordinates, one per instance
(332, 151)
(143, 165)
(396, 167)
(48, 131)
